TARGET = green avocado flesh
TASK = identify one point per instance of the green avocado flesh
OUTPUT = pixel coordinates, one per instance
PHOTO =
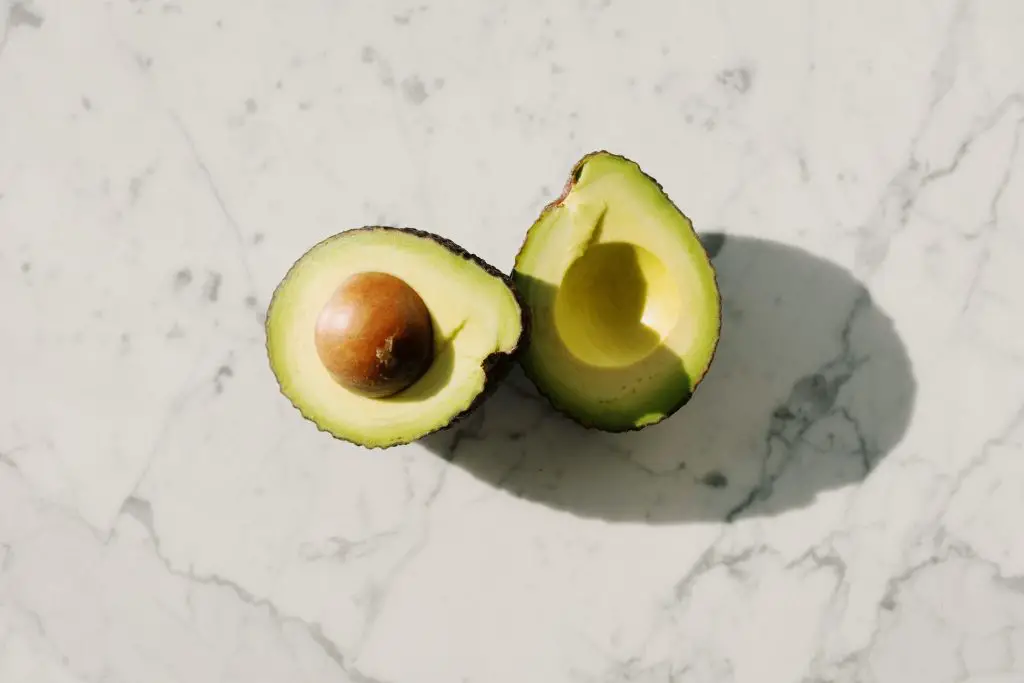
(477, 323)
(623, 299)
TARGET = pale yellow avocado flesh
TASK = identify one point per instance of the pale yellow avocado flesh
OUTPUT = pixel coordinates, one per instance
(475, 314)
(625, 307)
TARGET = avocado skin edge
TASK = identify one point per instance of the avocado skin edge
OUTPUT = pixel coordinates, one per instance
(695, 382)
(496, 366)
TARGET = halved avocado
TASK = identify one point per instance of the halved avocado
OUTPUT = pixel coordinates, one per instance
(623, 299)
(475, 319)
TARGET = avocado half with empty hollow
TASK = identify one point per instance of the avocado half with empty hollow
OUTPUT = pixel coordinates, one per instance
(382, 335)
(624, 304)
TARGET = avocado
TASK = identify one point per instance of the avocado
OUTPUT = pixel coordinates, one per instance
(381, 335)
(623, 299)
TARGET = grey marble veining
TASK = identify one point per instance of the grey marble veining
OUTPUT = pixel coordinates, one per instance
(839, 503)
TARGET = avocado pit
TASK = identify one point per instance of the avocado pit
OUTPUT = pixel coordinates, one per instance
(374, 335)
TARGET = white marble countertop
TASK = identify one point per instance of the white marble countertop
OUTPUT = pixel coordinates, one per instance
(841, 502)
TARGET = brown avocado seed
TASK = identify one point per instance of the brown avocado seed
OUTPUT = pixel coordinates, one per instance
(374, 335)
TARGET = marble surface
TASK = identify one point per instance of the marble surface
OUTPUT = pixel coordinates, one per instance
(840, 503)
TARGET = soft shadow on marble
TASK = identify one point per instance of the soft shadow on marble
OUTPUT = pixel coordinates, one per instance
(810, 381)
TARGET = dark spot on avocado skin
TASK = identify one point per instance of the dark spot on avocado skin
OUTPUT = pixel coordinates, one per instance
(19, 15)
(715, 480)
(738, 79)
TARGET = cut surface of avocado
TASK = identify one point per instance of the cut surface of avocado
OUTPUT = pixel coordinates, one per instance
(623, 299)
(476, 320)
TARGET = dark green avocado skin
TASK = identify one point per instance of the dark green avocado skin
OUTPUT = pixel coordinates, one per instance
(574, 176)
(496, 366)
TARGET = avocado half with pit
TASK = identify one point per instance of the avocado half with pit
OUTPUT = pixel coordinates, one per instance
(625, 308)
(382, 335)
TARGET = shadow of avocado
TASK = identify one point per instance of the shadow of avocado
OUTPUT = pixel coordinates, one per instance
(810, 388)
